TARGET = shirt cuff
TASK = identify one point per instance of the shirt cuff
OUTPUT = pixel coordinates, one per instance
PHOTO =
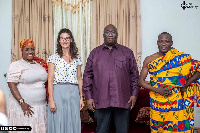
(88, 95)
(135, 91)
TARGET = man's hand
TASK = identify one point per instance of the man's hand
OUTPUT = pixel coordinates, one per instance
(183, 89)
(132, 101)
(90, 104)
(162, 91)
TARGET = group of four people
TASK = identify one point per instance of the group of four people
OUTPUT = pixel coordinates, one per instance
(110, 82)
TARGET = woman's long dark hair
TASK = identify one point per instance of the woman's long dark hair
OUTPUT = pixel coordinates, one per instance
(73, 49)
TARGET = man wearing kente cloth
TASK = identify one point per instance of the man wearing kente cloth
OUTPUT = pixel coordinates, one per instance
(173, 87)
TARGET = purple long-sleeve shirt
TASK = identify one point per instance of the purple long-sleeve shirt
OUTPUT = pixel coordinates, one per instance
(111, 76)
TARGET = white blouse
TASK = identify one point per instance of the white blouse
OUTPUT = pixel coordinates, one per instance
(65, 72)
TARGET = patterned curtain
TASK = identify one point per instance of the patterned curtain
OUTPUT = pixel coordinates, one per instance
(76, 16)
(125, 15)
(32, 19)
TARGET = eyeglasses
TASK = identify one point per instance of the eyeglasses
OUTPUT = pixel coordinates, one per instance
(66, 38)
(110, 32)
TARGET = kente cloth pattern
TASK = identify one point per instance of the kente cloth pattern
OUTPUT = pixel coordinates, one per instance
(173, 113)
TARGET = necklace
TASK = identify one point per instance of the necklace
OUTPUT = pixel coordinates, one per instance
(30, 62)
(68, 58)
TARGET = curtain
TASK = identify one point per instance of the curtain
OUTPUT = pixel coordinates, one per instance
(76, 16)
(32, 19)
(125, 15)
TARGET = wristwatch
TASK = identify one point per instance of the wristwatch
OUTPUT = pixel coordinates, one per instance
(21, 101)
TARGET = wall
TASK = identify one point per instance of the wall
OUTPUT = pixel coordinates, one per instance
(167, 16)
(5, 43)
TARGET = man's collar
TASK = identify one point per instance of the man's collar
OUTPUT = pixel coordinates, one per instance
(116, 46)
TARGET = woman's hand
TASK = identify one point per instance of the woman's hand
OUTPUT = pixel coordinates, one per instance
(81, 103)
(27, 109)
(52, 106)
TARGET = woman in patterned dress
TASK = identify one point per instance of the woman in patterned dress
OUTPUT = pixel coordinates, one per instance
(27, 101)
(65, 86)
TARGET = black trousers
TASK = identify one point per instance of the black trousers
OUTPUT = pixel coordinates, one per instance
(120, 116)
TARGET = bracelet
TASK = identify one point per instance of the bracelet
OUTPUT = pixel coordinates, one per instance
(21, 101)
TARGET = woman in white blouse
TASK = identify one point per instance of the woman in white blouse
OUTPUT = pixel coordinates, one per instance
(65, 86)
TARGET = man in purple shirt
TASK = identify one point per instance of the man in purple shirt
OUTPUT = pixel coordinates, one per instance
(110, 82)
